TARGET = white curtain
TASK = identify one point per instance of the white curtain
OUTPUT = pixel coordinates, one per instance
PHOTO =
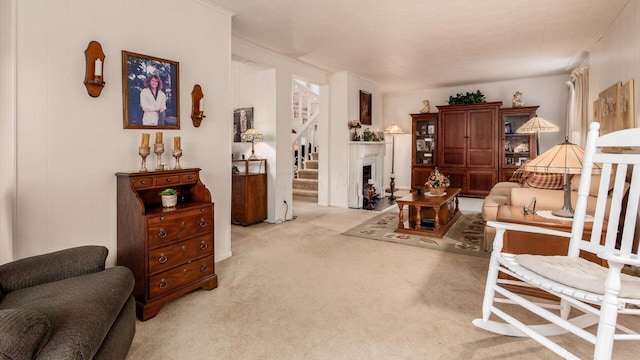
(579, 122)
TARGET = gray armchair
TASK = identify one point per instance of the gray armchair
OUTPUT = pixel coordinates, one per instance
(66, 305)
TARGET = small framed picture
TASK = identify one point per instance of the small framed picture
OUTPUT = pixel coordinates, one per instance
(431, 129)
(522, 160)
(421, 145)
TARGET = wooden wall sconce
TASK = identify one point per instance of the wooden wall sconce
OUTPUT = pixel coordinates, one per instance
(94, 67)
(197, 105)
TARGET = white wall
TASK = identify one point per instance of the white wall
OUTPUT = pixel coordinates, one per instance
(281, 163)
(616, 57)
(256, 87)
(549, 92)
(345, 106)
(70, 145)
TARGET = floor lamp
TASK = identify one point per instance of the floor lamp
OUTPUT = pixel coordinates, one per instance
(393, 130)
(536, 125)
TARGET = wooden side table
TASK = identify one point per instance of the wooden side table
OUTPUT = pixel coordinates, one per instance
(518, 242)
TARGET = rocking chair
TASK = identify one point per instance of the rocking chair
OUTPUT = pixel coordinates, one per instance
(588, 293)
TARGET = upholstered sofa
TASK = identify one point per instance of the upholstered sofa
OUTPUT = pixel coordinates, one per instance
(517, 193)
(66, 305)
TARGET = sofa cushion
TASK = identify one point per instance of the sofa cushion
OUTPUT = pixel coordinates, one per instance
(81, 310)
(544, 181)
(593, 186)
(23, 333)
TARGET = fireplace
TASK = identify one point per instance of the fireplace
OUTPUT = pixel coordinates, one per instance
(366, 161)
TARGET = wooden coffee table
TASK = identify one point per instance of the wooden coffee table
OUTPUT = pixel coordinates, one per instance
(443, 210)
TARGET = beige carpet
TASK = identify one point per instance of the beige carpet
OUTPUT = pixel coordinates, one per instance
(300, 290)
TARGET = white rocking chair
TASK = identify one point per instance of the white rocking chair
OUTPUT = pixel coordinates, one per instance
(598, 293)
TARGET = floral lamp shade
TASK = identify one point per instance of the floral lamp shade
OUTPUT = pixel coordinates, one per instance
(252, 135)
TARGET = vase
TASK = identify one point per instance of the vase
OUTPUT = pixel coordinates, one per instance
(169, 200)
(436, 191)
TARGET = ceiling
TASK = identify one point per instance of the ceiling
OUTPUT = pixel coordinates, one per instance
(418, 44)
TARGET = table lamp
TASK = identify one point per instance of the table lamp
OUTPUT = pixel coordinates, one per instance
(252, 135)
(392, 130)
(565, 158)
(537, 125)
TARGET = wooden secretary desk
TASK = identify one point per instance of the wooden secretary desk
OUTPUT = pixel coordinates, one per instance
(169, 250)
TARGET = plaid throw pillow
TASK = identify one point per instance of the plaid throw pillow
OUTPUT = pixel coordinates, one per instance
(520, 175)
(544, 181)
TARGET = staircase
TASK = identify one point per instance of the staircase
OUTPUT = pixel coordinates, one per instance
(305, 186)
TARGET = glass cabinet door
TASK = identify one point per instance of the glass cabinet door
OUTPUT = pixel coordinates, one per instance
(516, 148)
(425, 146)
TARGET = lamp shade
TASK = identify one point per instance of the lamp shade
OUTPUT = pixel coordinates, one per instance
(537, 125)
(251, 135)
(565, 158)
(393, 129)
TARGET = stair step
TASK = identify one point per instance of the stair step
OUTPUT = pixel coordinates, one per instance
(306, 195)
(305, 184)
(314, 155)
(308, 174)
(311, 164)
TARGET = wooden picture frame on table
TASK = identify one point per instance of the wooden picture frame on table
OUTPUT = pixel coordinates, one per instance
(365, 108)
(150, 92)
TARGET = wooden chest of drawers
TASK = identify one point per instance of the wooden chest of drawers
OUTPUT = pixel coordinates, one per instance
(169, 250)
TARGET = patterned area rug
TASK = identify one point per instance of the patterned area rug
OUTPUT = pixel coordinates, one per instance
(466, 236)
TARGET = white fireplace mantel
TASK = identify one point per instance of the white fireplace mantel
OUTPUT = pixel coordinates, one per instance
(363, 153)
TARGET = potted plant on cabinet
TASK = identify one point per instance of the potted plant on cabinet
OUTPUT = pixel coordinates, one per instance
(169, 197)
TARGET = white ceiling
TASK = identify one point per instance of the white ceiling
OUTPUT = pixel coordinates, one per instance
(418, 44)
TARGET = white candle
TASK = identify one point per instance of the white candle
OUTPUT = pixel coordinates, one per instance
(201, 104)
(370, 181)
(98, 67)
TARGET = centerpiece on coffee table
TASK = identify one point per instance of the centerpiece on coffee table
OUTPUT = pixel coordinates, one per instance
(437, 183)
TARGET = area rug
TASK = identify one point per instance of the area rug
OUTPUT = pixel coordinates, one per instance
(466, 236)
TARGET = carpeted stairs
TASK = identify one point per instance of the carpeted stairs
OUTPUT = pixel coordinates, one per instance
(305, 186)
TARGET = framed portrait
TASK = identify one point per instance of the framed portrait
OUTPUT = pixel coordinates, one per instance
(242, 121)
(431, 129)
(522, 160)
(151, 92)
(421, 145)
(365, 108)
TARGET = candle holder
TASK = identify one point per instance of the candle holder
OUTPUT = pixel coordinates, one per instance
(177, 154)
(392, 188)
(93, 77)
(144, 151)
(159, 149)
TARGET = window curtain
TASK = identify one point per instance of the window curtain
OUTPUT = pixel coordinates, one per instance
(578, 124)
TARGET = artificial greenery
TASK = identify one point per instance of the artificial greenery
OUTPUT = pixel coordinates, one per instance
(168, 191)
(468, 98)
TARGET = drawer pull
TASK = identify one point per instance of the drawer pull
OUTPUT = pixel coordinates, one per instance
(203, 268)
(163, 258)
(203, 210)
(203, 222)
(190, 177)
(203, 245)
(162, 233)
(168, 180)
(184, 248)
(184, 271)
(163, 284)
(143, 182)
(183, 224)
